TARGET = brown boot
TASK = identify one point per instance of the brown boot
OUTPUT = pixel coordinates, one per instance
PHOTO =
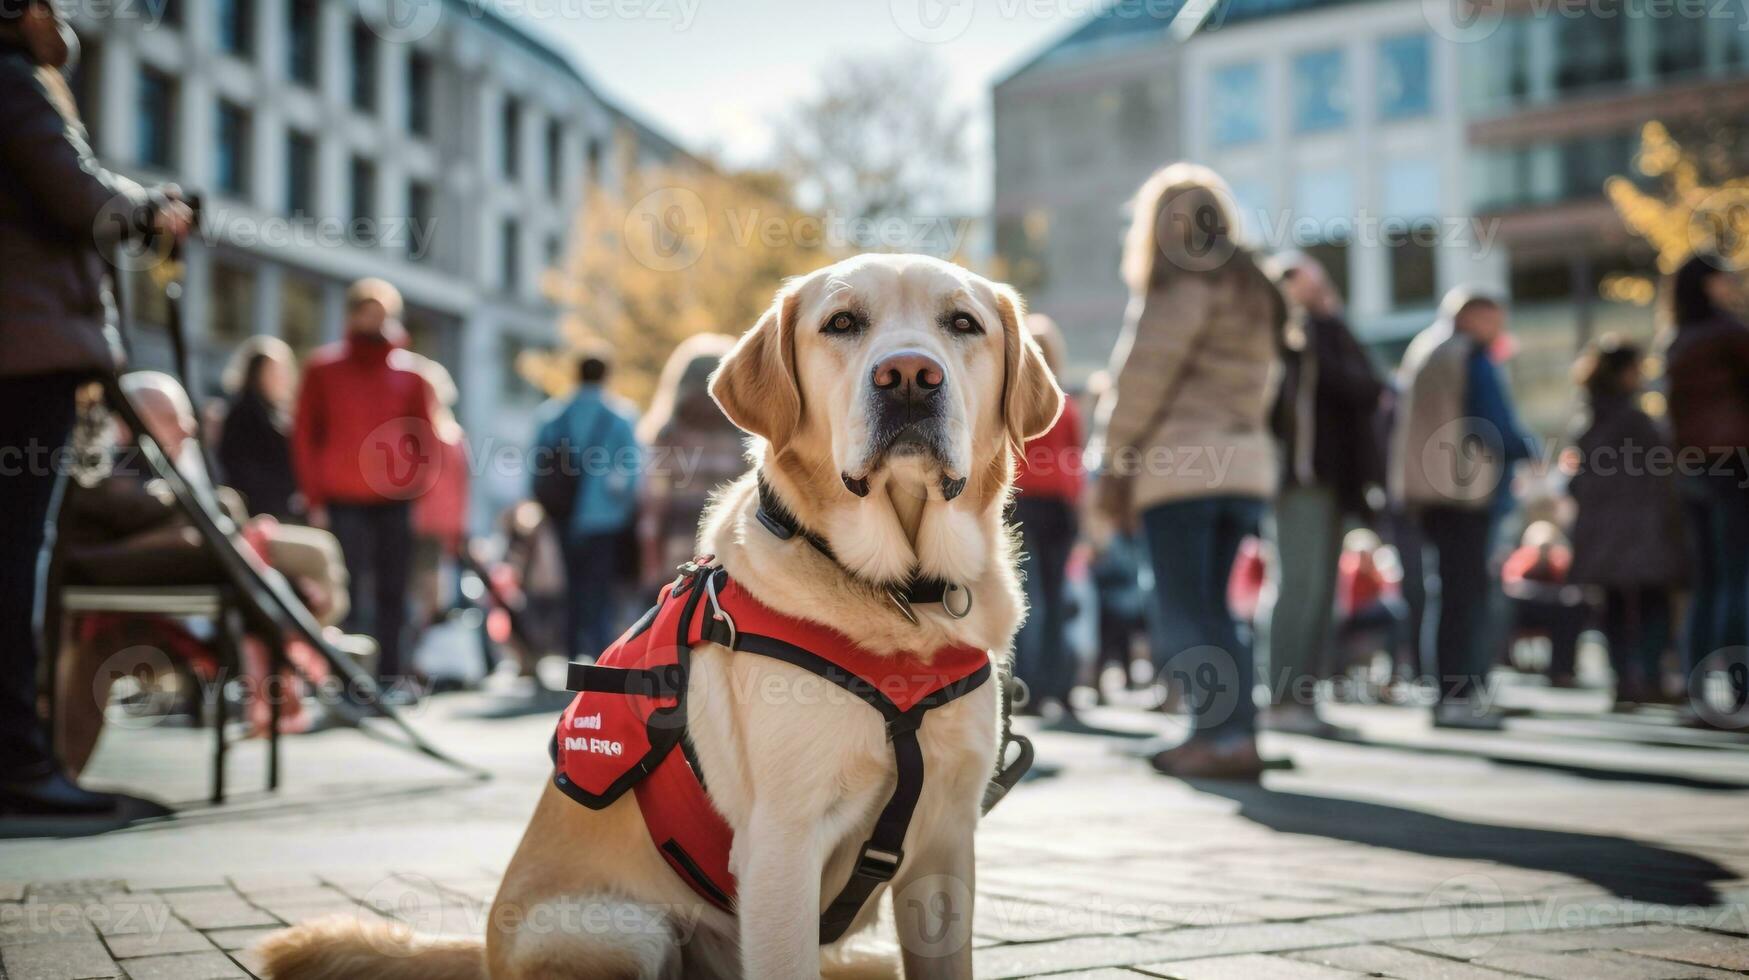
(1205, 758)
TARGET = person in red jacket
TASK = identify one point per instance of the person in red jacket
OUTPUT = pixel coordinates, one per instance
(1047, 489)
(364, 448)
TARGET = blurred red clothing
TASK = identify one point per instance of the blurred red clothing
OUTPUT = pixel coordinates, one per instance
(363, 431)
(1360, 585)
(442, 512)
(1529, 563)
(1052, 466)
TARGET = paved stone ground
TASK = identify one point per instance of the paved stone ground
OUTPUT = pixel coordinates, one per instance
(1572, 845)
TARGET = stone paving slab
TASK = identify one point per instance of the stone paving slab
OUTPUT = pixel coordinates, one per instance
(1614, 859)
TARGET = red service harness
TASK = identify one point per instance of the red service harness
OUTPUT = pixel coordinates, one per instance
(629, 716)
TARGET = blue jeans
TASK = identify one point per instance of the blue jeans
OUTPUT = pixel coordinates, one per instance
(591, 594)
(1718, 517)
(1041, 651)
(1192, 544)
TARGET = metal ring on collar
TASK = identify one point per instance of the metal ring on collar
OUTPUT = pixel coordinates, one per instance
(948, 606)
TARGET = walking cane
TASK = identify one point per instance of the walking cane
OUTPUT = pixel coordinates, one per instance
(262, 590)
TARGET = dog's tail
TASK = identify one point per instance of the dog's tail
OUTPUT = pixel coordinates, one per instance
(348, 948)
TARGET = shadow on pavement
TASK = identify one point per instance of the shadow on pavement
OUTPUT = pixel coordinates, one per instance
(1626, 868)
(131, 810)
(1599, 773)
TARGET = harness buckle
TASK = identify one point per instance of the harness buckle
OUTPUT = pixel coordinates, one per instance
(878, 863)
(718, 613)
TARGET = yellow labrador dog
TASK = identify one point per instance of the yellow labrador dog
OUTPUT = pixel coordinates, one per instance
(889, 395)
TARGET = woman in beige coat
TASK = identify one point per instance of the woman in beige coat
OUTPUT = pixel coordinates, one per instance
(1187, 452)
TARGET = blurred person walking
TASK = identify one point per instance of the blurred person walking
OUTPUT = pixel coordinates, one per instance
(1185, 445)
(440, 514)
(1707, 369)
(1628, 534)
(1324, 418)
(60, 213)
(693, 449)
(1452, 449)
(254, 442)
(589, 444)
(364, 446)
(1047, 492)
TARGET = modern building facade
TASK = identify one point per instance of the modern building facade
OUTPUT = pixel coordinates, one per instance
(1337, 124)
(445, 151)
(1555, 103)
(1077, 130)
(1409, 146)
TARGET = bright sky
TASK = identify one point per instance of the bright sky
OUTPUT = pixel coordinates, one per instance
(712, 73)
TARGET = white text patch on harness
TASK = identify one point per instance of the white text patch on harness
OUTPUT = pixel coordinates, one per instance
(598, 746)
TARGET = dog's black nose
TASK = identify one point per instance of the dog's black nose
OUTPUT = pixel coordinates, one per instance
(908, 375)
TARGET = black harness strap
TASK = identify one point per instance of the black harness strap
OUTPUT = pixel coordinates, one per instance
(879, 859)
(784, 525)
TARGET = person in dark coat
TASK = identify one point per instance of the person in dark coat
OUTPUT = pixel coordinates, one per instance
(1323, 418)
(1707, 369)
(254, 445)
(1627, 537)
(60, 211)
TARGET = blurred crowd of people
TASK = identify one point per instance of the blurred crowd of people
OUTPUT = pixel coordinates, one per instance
(1265, 494)
(1261, 492)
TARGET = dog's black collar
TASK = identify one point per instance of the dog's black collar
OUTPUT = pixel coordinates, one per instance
(920, 590)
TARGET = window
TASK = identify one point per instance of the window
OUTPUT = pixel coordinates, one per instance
(1586, 163)
(363, 178)
(231, 302)
(170, 13)
(364, 67)
(1404, 82)
(1320, 91)
(231, 140)
(1413, 249)
(155, 144)
(421, 219)
(300, 174)
(1236, 112)
(1324, 219)
(1680, 43)
(510, 256)
(300, 304)
(510, 133)
(236, 27)
(302, 45)
(419, 72)
(1333, 256)
(1590, 51)
(555, 251)
(555, 158)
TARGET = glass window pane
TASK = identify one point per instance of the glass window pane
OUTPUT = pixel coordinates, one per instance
(1236, 112)
(1404, 84)
(232, 144)
(1320, 91)
(155, 144)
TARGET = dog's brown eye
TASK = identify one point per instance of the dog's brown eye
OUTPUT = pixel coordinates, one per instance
(963, 323)
(842, 322)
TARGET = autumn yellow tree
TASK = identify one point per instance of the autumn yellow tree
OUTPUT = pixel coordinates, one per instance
(672, 252)
(1700, 203)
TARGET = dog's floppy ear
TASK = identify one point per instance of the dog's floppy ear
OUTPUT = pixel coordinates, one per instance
(756, 384)
(1031, 399)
